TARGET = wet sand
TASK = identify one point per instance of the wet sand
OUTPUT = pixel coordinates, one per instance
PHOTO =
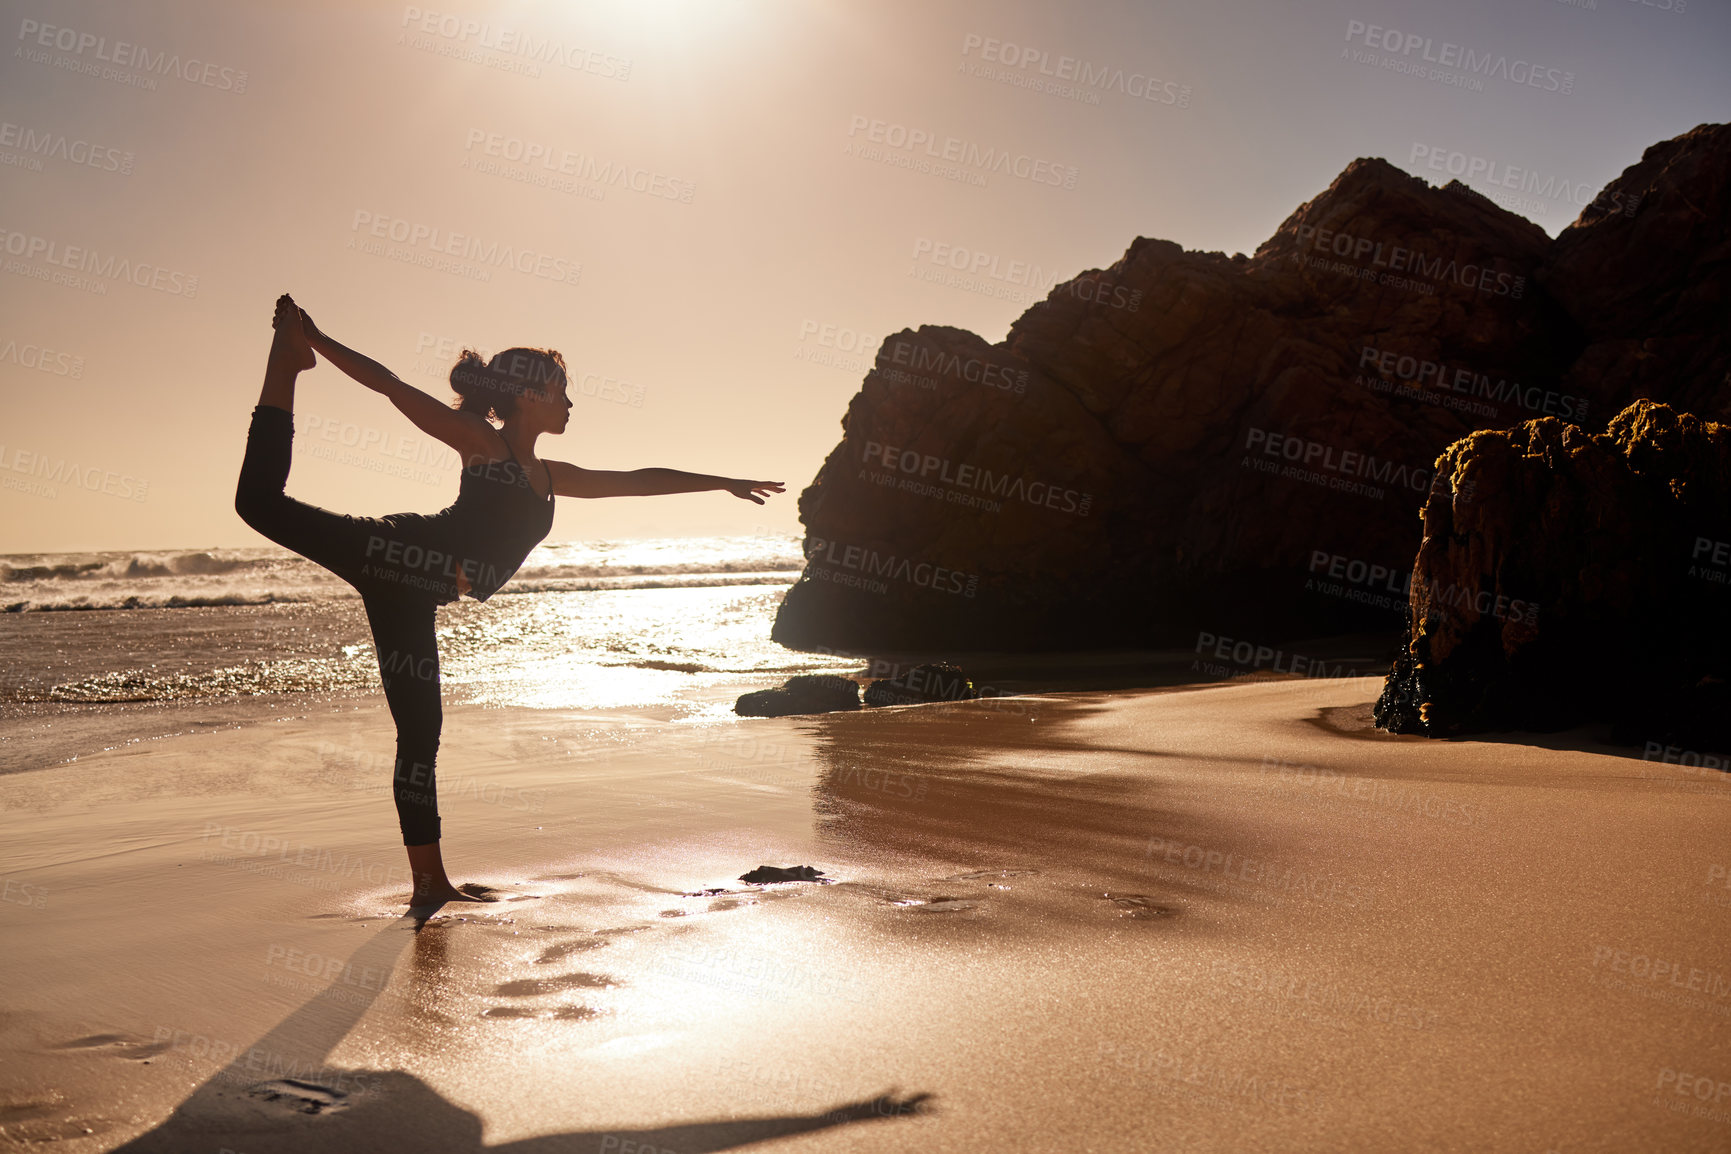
(1223, 918)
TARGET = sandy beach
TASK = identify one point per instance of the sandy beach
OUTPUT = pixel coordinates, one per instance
(1229, 917)
(1246, 488)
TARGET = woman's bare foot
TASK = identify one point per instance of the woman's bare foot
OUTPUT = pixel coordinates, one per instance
(433, 888)
(437, 894)
(291, 342)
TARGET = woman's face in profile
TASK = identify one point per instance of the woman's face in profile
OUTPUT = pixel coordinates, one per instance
(550, 403)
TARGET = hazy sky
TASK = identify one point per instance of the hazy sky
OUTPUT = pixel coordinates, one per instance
(708, 206)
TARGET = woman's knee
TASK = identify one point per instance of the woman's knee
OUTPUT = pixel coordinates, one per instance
(257, 504)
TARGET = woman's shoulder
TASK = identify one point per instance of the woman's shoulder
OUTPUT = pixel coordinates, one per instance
(489, 443)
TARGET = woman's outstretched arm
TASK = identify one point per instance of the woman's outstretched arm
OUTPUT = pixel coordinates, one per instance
(572, 481)
(461, 431)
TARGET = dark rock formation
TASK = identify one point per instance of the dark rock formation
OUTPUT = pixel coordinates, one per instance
(1643, 276)
(1586, 577)
(921, 684)
(1191, 443)
(807, 693)
(765, 875)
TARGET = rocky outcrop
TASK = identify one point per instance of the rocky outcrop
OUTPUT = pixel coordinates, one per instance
(1188, 443)
(807, 693)
(1643, 276)
(920, 685)
(1586, 578)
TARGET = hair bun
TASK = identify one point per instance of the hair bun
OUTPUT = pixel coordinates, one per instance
(492, 387)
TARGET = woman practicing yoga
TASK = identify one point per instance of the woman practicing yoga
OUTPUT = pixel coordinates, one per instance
(407, 564)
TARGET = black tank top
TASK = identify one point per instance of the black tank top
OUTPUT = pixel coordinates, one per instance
(484, 534)
(496, 520)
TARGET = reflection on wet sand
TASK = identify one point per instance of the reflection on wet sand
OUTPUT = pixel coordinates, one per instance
(1031, 810)
(281, 1093)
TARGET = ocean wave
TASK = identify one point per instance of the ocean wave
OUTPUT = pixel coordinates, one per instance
(80, 601)
(193, 578)
(121, 566)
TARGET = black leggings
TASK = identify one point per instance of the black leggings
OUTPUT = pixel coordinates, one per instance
(401, 617)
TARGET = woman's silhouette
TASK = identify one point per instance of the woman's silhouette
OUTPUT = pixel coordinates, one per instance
(407, 564)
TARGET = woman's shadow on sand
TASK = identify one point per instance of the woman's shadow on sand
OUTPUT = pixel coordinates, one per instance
(281, 1095)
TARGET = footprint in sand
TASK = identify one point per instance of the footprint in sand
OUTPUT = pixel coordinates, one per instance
(509, 1012)
(982, 875)
(42, 1118)
(130, 1046)
(300, 1097)
(561, 1013)
(937, 905)
(534, 987)
(19, 1109)
(565, 949)
(1139, 906)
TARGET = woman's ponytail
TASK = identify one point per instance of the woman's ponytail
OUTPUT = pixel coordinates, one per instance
(470, 381)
